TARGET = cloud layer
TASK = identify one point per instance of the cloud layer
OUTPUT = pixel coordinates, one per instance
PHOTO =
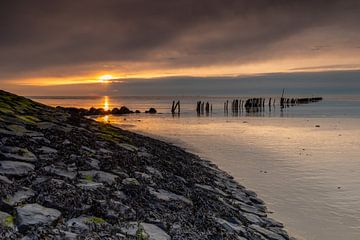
(65, 37)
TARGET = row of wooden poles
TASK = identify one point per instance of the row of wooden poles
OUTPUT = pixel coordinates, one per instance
(202, 107)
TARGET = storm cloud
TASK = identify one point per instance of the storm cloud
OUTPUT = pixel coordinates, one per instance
(58, 38)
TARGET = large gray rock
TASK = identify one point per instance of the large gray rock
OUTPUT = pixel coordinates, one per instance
(16, 153)
(35, 214)
(81, 224)
(231, 226)
(168, 196)
(15, 168)
(99, 176)
(19, 197)
(60, 172)
(267, 233)
(145, 231)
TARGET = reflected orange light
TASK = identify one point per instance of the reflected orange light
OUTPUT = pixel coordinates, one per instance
(106, 119)
(106, 103)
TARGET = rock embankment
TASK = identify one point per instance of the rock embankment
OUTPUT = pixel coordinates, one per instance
(63, 176)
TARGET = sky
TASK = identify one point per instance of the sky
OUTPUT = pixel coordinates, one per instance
(64, 47)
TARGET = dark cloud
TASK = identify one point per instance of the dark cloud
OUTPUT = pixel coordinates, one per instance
(43, 37)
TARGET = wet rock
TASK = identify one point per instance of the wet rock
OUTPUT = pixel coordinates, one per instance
(151, 111)
(130, 181)
(211, 189)
(5, 180)
(267, 233)
(20, 154)
(48, 150)
(35, 214)
(99, 176)
(128, 147)
(145, 231)
(19, 197)
(60, 172)
(231, 226)
(154, 172)
(81, 224)
(164, 195)
(250, 209)
(15, 168)
(89, 185)
(6, 220)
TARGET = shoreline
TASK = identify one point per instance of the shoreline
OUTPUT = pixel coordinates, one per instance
(98, 181)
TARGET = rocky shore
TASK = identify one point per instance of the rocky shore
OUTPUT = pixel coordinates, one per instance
(63, 176)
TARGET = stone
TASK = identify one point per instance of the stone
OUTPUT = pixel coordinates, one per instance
(230, 226)
(128, 147)
(94, 163)
(154, 172)
(248, 208)
(211, 189)
(77, 225)
(60, 172)
(20, 154)
(168, 196)
(267, 233)
(48, 150)
(15, 168)
(100, 176)
(144, 154)
(6, 220)
(35, 214)
(130, 181)
(89, 185)
(5, 180)
(19, 197)
(145, 231)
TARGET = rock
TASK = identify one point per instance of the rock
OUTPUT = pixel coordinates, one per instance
(143, 176)
(94, 163)
(248, 208)
(128, 147)
(267, 233)
(154, 172)
(77, 225)
(35, 214)
(15, 168)
(151, 111)
(5, 180)
(168, 196)
(99, 176)
(68, 235)
(19, 197)
(20, 154)
(230, 226)
(144, 154)
(211, 189)
(130, 181)
(6, 220)
(48, 150)
(145, 231)
(81, 224)
(60, 172)
(89, 185)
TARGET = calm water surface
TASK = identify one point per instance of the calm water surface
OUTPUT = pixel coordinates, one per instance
(309, 176)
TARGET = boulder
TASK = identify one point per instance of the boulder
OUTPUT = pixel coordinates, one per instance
(16, 153)
(151, 111)
(145, 231)
(35, 214)
(19, 197)
(164, 195)
(15, 168)
(99, 176)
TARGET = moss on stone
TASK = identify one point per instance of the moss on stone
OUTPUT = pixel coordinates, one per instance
(141, 234)
(96, 220)
(89, 178)
(9, 221)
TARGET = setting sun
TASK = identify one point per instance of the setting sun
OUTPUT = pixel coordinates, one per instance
(105, 78)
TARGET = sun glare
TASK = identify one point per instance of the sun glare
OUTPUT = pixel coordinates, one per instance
(105, 78)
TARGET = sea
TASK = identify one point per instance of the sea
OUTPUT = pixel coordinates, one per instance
(302, 160)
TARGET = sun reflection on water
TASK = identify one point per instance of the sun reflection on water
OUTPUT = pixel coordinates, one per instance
(106, 103)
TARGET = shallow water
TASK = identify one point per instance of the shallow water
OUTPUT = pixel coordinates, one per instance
(308, 175)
